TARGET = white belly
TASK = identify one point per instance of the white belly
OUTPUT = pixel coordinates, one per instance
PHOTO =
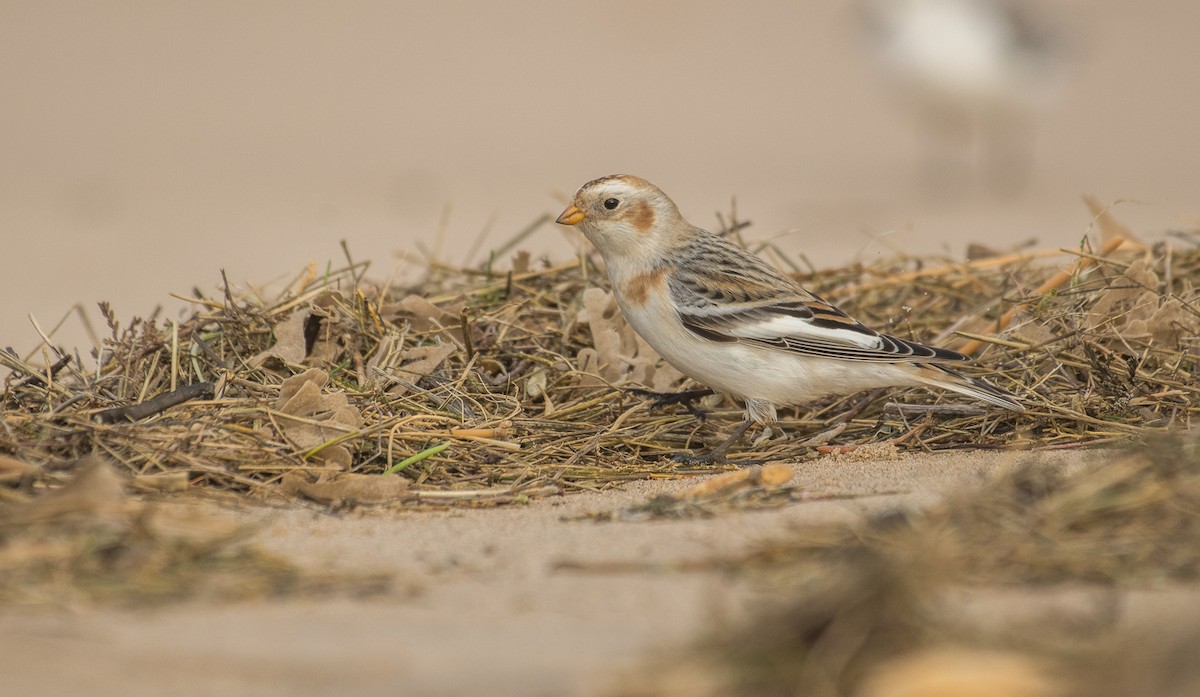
(755, 372)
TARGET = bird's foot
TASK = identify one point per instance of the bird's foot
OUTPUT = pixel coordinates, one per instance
(687, 398)
(763, 437)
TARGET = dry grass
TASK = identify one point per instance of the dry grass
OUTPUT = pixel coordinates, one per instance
(481, 385)
(89, 542)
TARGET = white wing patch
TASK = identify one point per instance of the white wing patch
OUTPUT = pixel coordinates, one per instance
(784, 326)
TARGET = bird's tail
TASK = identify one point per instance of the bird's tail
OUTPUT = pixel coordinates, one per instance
(936, 375)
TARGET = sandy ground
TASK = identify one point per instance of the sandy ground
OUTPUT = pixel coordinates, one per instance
(145, 146)
(481, 607)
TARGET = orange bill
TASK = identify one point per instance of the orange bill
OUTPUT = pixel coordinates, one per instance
(571, 216)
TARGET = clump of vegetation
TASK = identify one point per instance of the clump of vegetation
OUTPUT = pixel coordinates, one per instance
(496, 386)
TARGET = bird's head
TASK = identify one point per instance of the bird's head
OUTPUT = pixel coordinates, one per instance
(625, 216)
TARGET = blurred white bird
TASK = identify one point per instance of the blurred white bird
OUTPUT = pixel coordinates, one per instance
(978, 72)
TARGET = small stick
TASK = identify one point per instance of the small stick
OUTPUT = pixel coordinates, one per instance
(174, 354)
(996, 340)
(517, 238)
(465, 324)
(468, 494)
(943, 409)
(230, 304)
(158, 404)
(978, 264)
(473, 432)
(352, 265)
(825, 436)
(493, 287)
(491, 442)
(1057, 281)
(44, 377)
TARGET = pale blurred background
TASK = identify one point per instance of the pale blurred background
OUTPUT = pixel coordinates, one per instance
(145, 146)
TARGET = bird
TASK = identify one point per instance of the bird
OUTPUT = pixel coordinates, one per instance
(977, 72)
(728, 319)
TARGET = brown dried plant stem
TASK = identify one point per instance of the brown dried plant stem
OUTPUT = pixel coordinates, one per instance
(159, 404)
(1057, 281)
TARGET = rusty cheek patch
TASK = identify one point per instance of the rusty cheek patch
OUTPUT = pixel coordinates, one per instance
(641, 217)
(639, 288)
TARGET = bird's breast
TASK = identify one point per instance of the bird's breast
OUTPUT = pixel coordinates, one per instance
(639, 289)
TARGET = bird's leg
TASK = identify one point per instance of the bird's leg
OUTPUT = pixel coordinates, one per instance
(685, 397)
(716, 456)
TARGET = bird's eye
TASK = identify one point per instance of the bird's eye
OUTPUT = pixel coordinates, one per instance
(611, 203)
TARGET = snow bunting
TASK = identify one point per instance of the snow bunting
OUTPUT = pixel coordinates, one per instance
(728, 319)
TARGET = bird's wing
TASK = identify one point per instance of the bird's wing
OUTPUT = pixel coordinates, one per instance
(754, 303)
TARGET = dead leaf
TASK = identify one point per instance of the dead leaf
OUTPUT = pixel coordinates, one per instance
(1110, 227)
(620, 356)
(424, 316)
(825, 436)
(535, 384)
(770, 476)
(976, 251)
(587, 362)
(386, 355)
(290, 346)
(659, 375)
(419, 362)
(520, 262)
(302, 396)
(293, 342)
(328, 345)
(348, 488)
(1134, 297)
(1031, 329)
(1168, 325)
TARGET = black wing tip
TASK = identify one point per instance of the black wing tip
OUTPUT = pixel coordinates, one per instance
(998, 395)
(930, 353)
(980, 389)
(945, 354)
